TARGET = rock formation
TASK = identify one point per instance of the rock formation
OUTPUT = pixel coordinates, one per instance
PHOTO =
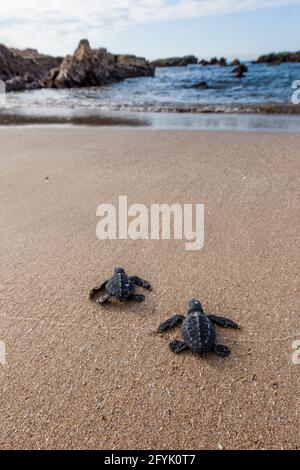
(222, 62)
(28, 69)
(201, 85)
(235, 63)
(22, 70)
(240, 70)
(175, 61)
(278, 58)
(95, 67)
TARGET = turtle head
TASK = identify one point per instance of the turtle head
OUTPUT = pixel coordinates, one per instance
(195, 306)
(119, 270)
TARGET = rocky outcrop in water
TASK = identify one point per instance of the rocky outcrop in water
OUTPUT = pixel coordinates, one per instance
(240, 70)
(235, 63)
(22, 70)
(278, 58)
(222, 62)
(28, 69)
(95, 67)
(200, 85)
(130, 66)
(175, 61)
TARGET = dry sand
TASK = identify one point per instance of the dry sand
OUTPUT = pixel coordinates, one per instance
(83, 376)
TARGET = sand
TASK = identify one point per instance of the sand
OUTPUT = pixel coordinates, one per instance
(79, 375)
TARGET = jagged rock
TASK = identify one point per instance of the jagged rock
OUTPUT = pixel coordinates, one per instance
(28, 69)
(24, 69)
(175, 61)
(95, 67)
(201, 85)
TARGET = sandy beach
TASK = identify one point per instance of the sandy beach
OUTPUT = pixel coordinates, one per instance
(80, 375)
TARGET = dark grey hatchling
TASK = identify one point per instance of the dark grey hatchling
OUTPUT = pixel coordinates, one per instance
(198, 331)
(121, 286)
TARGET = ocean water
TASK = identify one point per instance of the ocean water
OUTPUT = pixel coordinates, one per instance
(172, 90)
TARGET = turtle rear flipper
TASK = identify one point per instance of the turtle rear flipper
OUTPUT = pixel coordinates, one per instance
(97, 289)
(136, 297)
(103, 299)
(221, 350)
(178, 346)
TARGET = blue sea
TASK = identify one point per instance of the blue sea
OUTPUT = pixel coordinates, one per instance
(172, 88)
(264, 90)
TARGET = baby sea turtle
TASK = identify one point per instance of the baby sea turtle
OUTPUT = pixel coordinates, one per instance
(198, 331)
(121, 286)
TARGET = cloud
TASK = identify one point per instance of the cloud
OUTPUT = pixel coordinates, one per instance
(57, 25)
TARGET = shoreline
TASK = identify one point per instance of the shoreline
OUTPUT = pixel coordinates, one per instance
(23, 119)
(153, 120)
(238, 108)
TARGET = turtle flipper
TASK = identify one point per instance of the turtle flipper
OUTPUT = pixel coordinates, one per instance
(221, 350)
(97, 289)
(140, 282)
(136, 297)
(177, 346)
(103, 299)
(222, 321)
(170, 323)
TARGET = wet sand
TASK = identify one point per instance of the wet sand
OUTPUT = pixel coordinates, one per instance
(22, 118)
(80, 375)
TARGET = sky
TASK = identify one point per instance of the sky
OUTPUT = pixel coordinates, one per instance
(153, 28)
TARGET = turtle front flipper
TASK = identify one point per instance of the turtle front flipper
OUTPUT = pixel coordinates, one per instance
(170, 323)
(222, 321)
(140, 282)
(97, 289)
(177, 346)
(221, 350)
